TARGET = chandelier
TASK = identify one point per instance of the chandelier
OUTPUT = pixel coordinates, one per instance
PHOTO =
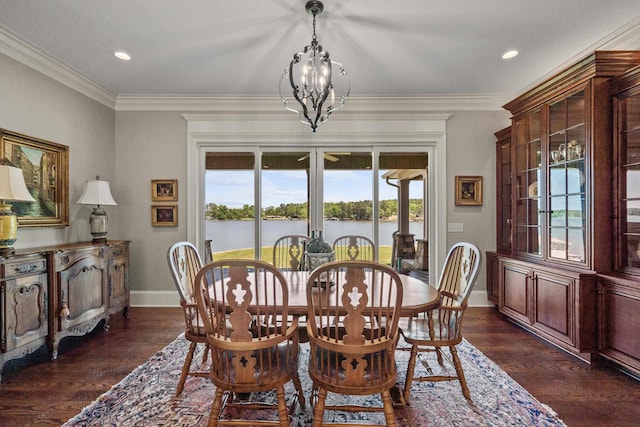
(310, 76)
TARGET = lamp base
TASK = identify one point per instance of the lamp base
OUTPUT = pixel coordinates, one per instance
(98, 222)
(8, 229)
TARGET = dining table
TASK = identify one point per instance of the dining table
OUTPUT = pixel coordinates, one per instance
(417, 295)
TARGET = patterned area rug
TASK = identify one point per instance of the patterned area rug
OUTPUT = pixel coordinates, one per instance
(145, 397)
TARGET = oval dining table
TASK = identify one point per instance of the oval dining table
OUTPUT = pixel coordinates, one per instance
(417, 296)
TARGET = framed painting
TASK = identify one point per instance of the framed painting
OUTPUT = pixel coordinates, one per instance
(164, 215)
(468, 191)
(45, 166)
(164, 190)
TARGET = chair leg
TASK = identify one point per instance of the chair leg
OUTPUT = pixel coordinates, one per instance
(318, 410)
(283, 413)
(298, 386)
(215, 408)
(186, 367)
(387, 402)
(205, 354)
(460, 373)
(411, 366)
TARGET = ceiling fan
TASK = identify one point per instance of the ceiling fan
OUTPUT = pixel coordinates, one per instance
(327, 156)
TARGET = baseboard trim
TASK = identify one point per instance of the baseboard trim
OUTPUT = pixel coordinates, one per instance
(170, 299)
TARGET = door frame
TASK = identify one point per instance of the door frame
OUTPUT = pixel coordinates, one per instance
(426, 132)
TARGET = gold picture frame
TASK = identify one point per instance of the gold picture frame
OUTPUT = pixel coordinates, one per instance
(164, 190)
(45, 166)
(164, 215)
(468, 191)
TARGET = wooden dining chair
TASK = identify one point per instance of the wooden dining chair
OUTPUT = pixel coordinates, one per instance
(288, 252)
(353, 332)
(250, 350)
(354, 247)
(184, 263)
(442, 327)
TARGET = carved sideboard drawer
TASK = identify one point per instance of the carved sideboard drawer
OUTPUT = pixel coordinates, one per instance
(65, 258)
(19, 268)
(117, 249)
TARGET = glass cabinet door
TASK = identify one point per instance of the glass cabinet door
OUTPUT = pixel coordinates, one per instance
(628, 172)
(527, 166)
(503, 184)
(566, 179)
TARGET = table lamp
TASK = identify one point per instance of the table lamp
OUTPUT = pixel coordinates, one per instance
(97, 192)
(12, 188)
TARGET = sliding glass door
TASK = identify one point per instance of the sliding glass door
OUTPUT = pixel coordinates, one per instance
(254, 197)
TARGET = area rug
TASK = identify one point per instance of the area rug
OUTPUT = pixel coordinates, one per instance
(146, 397)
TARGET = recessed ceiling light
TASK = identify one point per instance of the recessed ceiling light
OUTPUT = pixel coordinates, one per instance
(122, 55)
(509, 54)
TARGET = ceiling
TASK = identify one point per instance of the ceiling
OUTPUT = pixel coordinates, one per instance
(389, 48)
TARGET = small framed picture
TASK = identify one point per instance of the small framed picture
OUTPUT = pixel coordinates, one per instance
(164, 215)
(164, 190)
(468, 190)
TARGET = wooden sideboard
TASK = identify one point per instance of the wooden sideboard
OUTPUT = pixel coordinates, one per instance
(49, 293)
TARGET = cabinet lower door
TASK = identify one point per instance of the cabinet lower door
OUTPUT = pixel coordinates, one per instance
(83, 293)
(25, 318)
(553, 309)
(619, 315)
(514, 300)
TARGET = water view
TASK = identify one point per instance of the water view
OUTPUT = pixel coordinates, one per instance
(228, 235)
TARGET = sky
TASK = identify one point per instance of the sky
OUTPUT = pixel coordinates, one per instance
(235, 188)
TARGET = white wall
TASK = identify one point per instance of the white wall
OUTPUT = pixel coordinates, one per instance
(471, 151)
(38, 106)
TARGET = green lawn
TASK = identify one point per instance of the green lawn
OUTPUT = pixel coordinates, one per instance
(267, 254)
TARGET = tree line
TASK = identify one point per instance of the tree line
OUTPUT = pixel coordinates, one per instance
(354, 211)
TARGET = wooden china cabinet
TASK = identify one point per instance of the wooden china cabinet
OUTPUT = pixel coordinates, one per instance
(619, 290)
(555, 223)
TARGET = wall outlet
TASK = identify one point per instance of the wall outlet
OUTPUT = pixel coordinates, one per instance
(455, 227)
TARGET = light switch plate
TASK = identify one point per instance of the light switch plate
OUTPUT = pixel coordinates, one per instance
(455, 227)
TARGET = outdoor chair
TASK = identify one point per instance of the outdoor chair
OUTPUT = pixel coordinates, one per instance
(184, 263)
(288, 252)
(354, 248)
(353, 332)
(250, 351)
(442, 327)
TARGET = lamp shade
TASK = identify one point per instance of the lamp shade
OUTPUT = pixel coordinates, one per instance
(12, 185)
(97, 192)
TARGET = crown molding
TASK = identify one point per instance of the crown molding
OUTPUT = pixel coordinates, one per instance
(28, 54)
(354, 105)
(626, 37)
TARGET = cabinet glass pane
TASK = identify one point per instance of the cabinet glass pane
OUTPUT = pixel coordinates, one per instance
(575, 177)
(633, 147)
(633, 251)
(557, 117)
(558, 243)
(576, 246)
(575, 110)
(557, 180)
(631, 238)
(632, 116)
(633, 182)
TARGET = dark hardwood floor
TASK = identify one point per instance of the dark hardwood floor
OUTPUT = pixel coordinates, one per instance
(38, 391)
